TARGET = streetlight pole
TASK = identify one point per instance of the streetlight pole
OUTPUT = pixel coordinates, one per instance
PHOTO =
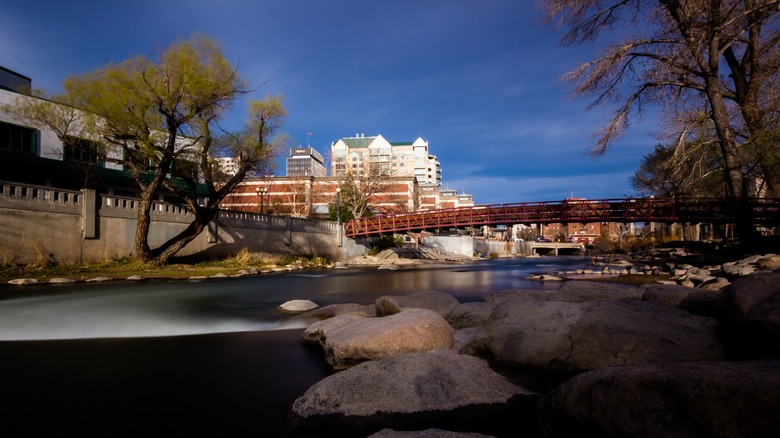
(338, 211)
(257, 192)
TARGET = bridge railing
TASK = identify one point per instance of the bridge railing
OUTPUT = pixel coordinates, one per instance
(570, 210)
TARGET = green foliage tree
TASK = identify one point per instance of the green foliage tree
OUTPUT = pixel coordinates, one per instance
(604, 243)
(162, 118)
(694, 171)
(718, 58)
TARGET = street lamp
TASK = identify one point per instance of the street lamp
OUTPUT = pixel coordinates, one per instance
(261, 194)
(338, 211)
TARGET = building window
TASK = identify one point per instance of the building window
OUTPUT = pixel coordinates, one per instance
(84, 151)
(18, 138)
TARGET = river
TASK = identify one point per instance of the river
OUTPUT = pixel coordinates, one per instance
(160, 358)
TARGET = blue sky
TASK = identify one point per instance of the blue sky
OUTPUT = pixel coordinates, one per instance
(478, 80)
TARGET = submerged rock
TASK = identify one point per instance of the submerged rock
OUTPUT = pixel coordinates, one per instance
(297, 306)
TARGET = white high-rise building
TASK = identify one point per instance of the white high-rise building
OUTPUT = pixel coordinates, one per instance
(375, 156)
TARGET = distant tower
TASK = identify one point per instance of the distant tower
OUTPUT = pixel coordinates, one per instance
(305, 162)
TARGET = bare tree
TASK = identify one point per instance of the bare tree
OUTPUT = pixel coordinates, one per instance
(713, 57)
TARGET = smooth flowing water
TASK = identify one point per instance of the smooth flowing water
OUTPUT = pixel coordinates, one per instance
(193, 358)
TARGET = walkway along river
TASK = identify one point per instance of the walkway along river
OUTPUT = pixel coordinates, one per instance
(193, 358)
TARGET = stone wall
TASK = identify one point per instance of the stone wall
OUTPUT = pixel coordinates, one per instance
(73, 226)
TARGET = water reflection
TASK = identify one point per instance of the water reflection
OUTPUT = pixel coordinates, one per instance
(159, 308)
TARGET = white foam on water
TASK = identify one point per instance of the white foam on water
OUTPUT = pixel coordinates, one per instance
(119, 315)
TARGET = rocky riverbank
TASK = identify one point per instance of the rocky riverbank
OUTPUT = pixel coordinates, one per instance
(591, 358)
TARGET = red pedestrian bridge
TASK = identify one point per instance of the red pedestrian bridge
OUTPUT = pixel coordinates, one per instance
(694, 210)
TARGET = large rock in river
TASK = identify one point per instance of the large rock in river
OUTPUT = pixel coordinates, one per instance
(415, 391)
(752, 306)
(427, 433)
(572, 337)
(573, 292)
(470, 314)
(441, 303)
(693, 300)
(586, 291)
(756, 299)
(705, 399)
(351, 339)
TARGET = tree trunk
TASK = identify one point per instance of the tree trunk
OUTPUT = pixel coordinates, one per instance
(162, 254)
(144, 217)
(737, 189)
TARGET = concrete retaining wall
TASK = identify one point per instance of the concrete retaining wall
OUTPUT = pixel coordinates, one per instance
(496, 248)
(463, 245)
(74, 226)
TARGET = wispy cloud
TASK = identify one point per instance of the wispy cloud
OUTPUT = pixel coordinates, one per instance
(478, 80)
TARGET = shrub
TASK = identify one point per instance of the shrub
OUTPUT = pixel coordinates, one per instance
(384, 242)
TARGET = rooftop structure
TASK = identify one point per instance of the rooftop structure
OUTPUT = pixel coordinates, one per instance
(305, 162)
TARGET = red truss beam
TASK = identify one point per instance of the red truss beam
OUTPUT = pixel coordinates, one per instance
(605, 210)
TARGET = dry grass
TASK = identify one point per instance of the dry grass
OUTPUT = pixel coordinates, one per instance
(123, 268)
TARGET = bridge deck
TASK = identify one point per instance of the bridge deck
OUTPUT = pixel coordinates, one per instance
(606, 210)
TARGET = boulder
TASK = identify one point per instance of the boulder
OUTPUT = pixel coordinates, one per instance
(579, 291)
(439, 302)
(754, 298)
(691, 300)
(470, 314)
(462, 337)
(367, 310)
(529, 333)
(318, 331)
(545, 277)
(427, 433)
(720, 399)
(414, 391)
(61, 280)
(587, 291)
(752, 306)
(348, 342)
(716, 285)
(503, 297)
(23, 281)
(297, 306)
(769, 262)
(738, 269)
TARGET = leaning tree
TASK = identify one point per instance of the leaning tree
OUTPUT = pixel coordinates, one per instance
(717, 58)
(161, 118)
